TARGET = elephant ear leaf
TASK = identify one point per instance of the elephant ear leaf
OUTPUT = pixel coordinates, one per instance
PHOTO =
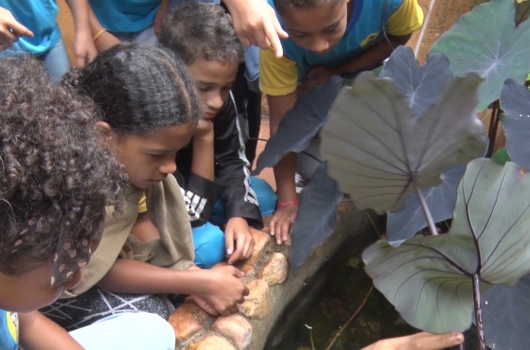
(496, 50)
(376, 147)
(440, 199)
(515, 101)
(422, 85)
(317, 215)
(300, 124)
(506, 317)
(429, 279)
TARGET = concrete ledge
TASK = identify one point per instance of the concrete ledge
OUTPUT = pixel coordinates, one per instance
(271, 292)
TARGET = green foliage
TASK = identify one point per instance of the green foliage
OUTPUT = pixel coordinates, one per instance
(488, 42)
(378, 152)
(429, 279)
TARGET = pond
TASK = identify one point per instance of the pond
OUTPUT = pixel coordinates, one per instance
(332, 297)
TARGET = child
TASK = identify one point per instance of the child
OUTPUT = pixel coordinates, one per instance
(214, 164)
(46, 42)
(113, 21)
(150, 112)
(326, 38)
(56, 179)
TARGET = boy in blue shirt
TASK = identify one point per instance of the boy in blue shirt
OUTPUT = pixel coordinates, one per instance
(326, 38)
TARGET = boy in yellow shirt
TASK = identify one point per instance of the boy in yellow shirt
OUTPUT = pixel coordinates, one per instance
(326, 38)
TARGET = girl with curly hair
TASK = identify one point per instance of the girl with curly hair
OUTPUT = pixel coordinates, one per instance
(150, 111)
(55, 180)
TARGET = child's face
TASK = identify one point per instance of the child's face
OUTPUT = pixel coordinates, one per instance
(317, 29)
(213, 80)
(149, 159)
(31, 290)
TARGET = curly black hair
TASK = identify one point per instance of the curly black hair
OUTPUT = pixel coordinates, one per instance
(140, 89)
(198, 30)
(54, 174)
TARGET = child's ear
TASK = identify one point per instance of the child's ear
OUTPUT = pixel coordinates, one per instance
(105, 132)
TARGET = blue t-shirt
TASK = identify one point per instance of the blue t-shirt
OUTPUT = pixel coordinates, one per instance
(125, 16)
(364, 29)
(8, 330)
(39, 16)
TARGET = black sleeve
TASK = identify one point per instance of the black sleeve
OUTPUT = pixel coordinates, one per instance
(232, 167)
(200, 196)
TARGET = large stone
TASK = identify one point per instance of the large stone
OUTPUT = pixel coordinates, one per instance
(187, 320)
(275, 269)
(256, 304)
(261, 240)
(212, 342)
(236, 328)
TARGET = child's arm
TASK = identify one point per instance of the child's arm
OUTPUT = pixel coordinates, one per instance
(101, 37)
(365, 60)
(256, 24)
(284, 171)
(161, 15)
(202, 162)
(221, 287)
(418, 341)
(198, 188)
(85, 50)
(233, 170)
(10, 29)
(39, 332)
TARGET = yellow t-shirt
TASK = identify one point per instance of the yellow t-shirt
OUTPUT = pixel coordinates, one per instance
(280, 76)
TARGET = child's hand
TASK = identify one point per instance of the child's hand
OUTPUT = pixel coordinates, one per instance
(84, 48)
(418, 341)
(280, 224)
(204, 129)
(10, 29)
(315, 76)
(256, 23)
(225, 289)
(237, 234)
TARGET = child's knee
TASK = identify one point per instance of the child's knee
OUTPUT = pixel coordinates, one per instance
(209, 243)
(266, 196)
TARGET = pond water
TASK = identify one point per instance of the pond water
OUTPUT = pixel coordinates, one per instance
(329, 300)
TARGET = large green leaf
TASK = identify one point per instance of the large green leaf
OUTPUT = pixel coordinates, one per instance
(429, 279)
(487, 41)
(375, 145)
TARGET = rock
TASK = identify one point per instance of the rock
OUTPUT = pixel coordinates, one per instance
(187, 320)
(236, 328)
(275, 270)
(256, 304)
(261, 240)
(212, 342)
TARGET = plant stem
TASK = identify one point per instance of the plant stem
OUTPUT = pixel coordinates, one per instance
(478, 313)
(424, 206)
(339, 332)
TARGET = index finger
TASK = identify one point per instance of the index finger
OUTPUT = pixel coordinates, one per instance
(273, 36)
(427, 341)
(236, 254)
(19, 30)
